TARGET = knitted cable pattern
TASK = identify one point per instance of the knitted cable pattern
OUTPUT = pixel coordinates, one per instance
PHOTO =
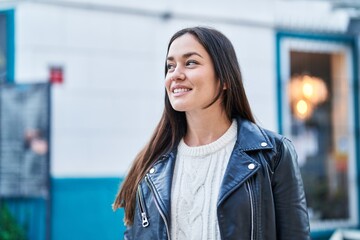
(196, 182)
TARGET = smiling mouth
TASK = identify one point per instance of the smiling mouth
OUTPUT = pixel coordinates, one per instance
(180, 90)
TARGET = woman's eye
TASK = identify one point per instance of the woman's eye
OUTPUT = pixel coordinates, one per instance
(170, 66)
(191, 62)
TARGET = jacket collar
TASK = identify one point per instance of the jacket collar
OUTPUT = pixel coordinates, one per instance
(251, 137)
(241, 167)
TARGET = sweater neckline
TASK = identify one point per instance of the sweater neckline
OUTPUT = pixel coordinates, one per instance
(229, 136)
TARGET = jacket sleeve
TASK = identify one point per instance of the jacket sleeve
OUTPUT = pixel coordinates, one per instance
(292, 221)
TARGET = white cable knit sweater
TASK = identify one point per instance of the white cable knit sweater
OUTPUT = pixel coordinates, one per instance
(195, 188)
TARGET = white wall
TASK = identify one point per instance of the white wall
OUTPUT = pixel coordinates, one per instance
(112, 96)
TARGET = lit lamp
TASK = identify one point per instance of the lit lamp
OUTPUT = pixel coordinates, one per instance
(306, 92)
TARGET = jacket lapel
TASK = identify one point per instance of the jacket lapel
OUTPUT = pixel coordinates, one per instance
(240, 167)
(161, 178)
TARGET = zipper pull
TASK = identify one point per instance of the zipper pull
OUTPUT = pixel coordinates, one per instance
(145, 221)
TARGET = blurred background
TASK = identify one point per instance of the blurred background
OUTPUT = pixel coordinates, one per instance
(82, 88)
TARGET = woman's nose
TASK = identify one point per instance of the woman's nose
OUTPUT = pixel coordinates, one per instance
(177, 74)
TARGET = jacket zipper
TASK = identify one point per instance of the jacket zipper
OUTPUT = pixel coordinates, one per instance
(152, 188)
(144, 219)
(252, 208)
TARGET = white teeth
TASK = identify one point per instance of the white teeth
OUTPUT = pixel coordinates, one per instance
(177, 90)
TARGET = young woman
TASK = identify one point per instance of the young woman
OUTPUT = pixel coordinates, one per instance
(208, 171)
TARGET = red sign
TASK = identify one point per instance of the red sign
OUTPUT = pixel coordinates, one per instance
(56, 75)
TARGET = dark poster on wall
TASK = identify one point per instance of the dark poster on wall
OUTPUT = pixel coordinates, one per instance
(24, 140)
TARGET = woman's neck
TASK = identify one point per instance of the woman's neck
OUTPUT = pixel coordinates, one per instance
(206, 127)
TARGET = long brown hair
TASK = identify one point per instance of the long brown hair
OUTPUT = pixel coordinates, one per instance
(172, 126)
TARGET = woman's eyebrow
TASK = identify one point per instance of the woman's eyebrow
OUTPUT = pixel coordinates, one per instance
(185, 55)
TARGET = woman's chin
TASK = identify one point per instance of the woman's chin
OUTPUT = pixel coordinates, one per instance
(180, 108)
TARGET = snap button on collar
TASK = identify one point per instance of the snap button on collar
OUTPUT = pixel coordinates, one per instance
(152, 170)
(263, 144)
(251, 166)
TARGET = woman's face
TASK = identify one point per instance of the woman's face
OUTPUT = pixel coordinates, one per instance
(191, 83)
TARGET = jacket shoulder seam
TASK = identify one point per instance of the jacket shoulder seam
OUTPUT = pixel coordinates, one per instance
(278, 153)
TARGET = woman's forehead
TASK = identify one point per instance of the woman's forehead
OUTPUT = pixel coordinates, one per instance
(184, 45)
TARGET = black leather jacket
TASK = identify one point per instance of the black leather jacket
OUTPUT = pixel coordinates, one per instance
(261, 195)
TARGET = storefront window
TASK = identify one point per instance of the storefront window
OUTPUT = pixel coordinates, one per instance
(317, 115)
